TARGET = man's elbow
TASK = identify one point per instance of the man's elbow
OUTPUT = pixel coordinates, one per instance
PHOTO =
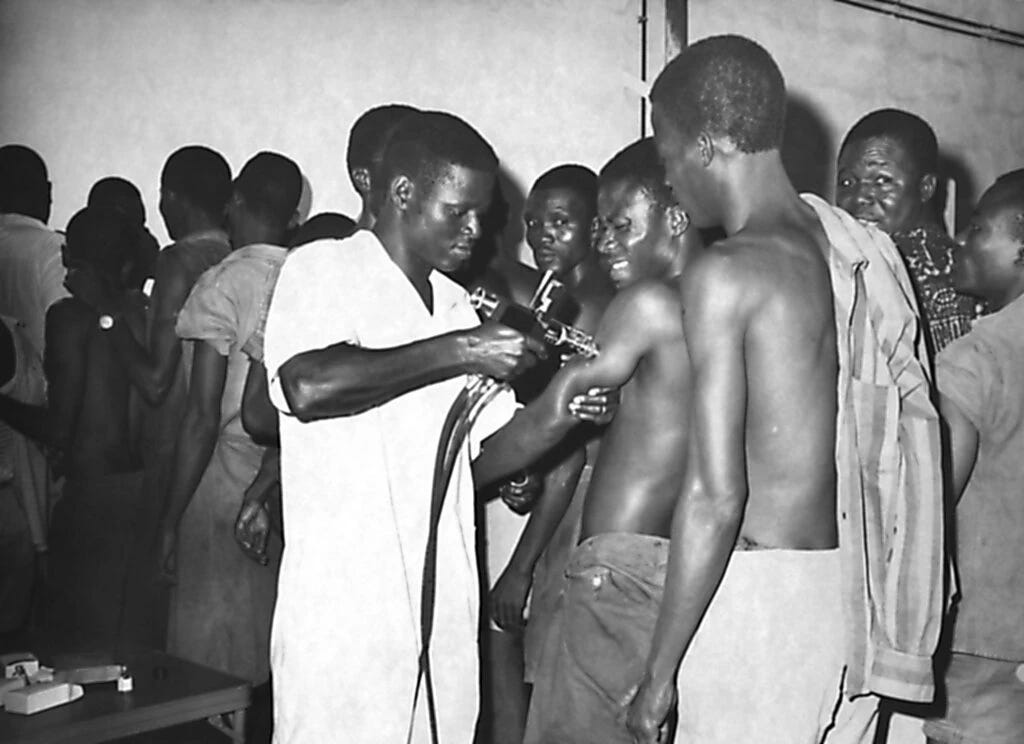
(300, 391)
(723, 505)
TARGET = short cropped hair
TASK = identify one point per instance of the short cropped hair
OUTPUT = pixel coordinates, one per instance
(101, 237)
(370, 134)
(725, 85)
(579, 179)
(201, 176)
(912, 133)
(271, 186)
(1010, 188)
(425, 144)
(23, 179)
(120, 195)
(638, 163)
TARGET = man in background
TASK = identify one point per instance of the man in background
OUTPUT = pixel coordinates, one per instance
(980, 378)
(887, 177)
(31, 280)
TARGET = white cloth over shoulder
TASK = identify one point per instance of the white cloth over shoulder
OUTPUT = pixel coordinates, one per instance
(356, 504)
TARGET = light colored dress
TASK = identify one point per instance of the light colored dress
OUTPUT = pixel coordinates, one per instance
(356, 502)
(223, 602)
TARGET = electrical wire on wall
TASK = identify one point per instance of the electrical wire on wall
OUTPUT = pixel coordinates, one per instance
(935, 19)
(642, 22)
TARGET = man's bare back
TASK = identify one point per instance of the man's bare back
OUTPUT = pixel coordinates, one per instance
(90, 391)
(790, 364)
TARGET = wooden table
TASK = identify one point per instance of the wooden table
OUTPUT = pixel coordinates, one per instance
(166, 692)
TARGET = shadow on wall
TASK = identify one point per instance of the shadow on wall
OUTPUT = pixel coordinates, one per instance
(808, 151)
(513, 200)
(954, 167)
(500, 230)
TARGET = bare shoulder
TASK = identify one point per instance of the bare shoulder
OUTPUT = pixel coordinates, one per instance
(727, 274)
(648, 300)
(644, 312)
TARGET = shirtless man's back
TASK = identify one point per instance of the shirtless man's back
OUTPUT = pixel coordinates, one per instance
(752, 595)
(90, 422)
(783, 306)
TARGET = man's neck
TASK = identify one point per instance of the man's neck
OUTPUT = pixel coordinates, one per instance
(390, 235)
(756, 191)
(255, 233)
(1012, 294)
(366, 219)
(200, 223)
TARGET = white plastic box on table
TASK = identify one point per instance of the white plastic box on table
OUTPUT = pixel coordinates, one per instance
(36, 698)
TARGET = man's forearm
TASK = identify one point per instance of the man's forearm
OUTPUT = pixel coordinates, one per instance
(197, 439)
(547, 514)
(343, 379)
(532, 432)
(703, 537)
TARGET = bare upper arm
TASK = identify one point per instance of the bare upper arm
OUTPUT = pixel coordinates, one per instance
(961, 446)
(206, 384)
(170, 290)
(718, 294)
(637, 319)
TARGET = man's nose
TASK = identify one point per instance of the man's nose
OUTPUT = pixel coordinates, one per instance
(471, 227)
(865, 192)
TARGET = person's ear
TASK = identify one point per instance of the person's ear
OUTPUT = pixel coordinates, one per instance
(678, 220)
(401, 191)
(927, 187)
(705, 148)
(361, 178)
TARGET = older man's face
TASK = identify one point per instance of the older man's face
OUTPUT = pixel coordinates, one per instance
(878, 184)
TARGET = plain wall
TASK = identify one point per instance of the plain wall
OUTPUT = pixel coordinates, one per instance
(841, 62)
(111, 87)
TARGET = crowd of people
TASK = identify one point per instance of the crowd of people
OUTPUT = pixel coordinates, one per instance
(781, 499)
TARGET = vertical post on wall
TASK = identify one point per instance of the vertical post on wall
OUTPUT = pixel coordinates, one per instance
(662, 35)
(643, 20)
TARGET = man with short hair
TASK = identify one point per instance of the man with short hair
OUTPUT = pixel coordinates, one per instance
(608, 601)
(195, 185)
(750, 634)
(31, 272)
(367, 141)
(887, 177)
(31, 280)
(367, 347)
(219, 593)
(123, 196)
(980, 378)
(87, 423)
